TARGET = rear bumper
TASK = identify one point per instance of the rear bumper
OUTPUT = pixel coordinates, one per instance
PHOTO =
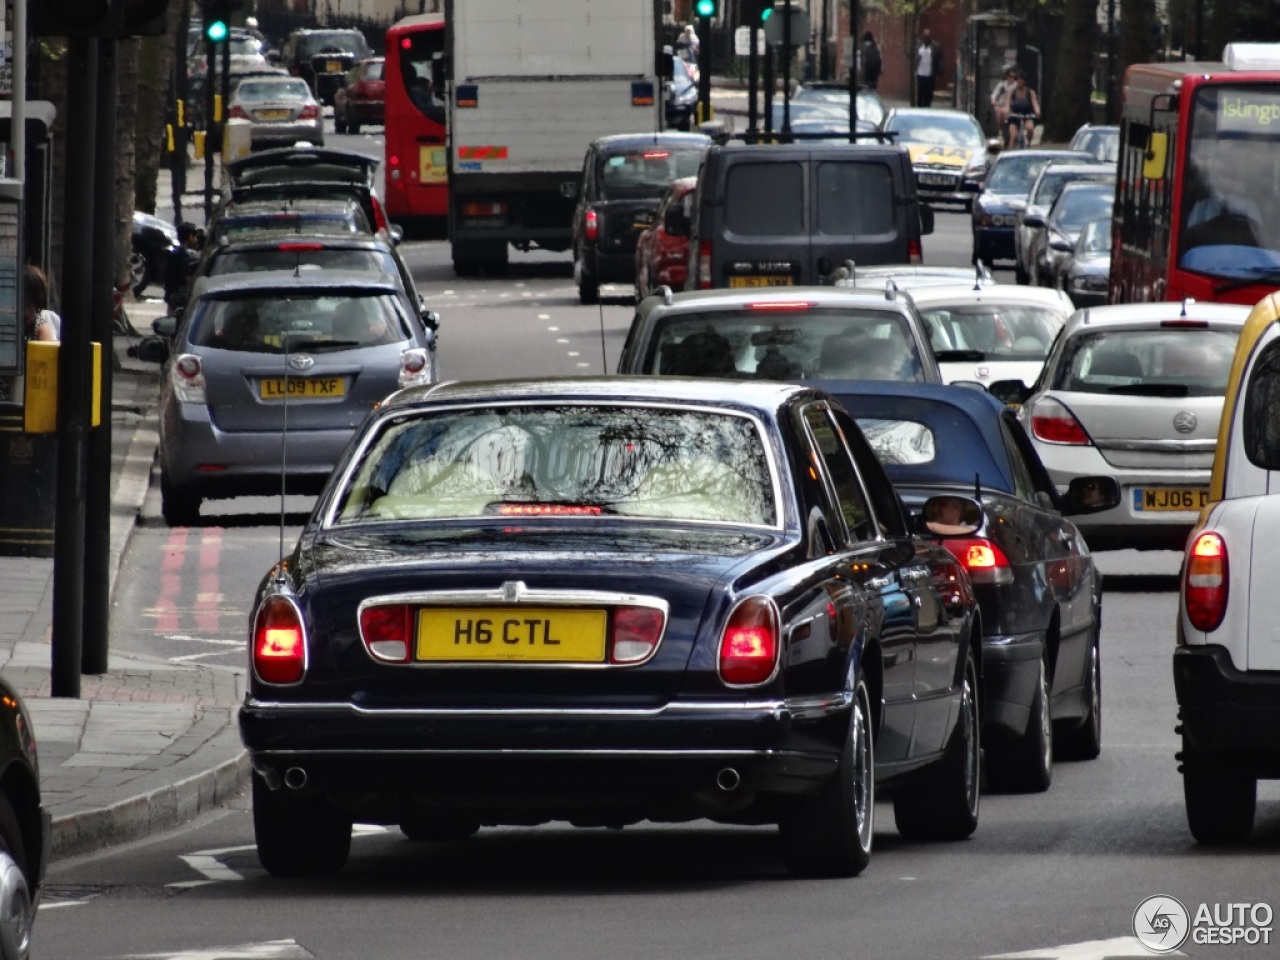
(366, 111)
(993, 243)
(611, 267)
(547, 760)
(1225, 710)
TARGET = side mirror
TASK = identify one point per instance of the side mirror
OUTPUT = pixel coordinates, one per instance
(951, 516)
(165, 326)
(1061, 245)
(273, 57)
(1033, 220)
(430, 319)
(675, 222)
(397, 233)
(150, 350)
(1090, 495)
(995, 145)
(926, 219)
(1012, 393)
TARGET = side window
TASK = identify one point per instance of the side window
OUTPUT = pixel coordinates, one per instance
(1261, 426)
(884, 498)
(851, 501)
(1023, 484)
(1023, 454)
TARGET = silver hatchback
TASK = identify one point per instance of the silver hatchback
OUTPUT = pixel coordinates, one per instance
(272, 372)
(281, 111)
(1136, 392)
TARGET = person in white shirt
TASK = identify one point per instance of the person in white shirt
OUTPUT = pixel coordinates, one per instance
(1000, 96)
(928, 68)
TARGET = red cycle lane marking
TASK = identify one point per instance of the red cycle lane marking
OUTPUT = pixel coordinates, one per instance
(208, 595)
(175, 555)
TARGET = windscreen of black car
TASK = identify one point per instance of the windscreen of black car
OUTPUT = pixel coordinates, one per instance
(1015, 174)
(786, 341)
(855, 199)
(1003, 331)
(1162, 362)
(310, 258)
(764, 200)
(333, 41)
(645, 173)
(566, 461)
(279, 321)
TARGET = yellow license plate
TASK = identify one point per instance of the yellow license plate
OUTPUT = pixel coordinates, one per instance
(511, 635)
(302, 388)
(333, 66)
(1157, 499)
(431, 165)
(780, 281)
(271, 114)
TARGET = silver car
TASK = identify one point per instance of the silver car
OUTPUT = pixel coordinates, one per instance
(1136, 392)
(1043, 193)
(272, 372)
(1058, 232)
(281, 111)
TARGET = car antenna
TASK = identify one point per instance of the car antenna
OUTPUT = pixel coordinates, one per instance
(977, 275)
(604, 357)
(977, 485)
(284, 453)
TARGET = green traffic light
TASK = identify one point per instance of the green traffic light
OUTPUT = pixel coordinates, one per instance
(766, 14)
(706, 8)
(216, 31)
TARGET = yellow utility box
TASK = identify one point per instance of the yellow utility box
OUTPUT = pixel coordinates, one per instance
(40, 406)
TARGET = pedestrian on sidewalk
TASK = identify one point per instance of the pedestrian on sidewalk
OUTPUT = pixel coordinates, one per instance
(928, 68)
(41, 322)
(871, 62)
(687, 44)
(181, 261)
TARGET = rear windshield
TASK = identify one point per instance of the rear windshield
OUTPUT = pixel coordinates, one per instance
(373, 71)
(263, 90)
(583, 462)
(279, 324)
(763, 344)
(327, 258)
(999, 331)
(1174, 362)
(1077, 207)
(855, 199)
(336, 41)
(1051, 184)
(291, 224)
(645, 173)
(1014, 174)
(765, 199)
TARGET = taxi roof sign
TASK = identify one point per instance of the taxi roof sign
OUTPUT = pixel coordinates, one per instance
(1252, 56)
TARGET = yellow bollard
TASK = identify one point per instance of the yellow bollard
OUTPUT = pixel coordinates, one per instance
(40, 404)
(197, 141)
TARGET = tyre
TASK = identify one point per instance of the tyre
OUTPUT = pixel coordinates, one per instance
(466, 268)
(1084, 742)
(339, 126)
(16, 911)
(1020, 275)
(588, 288)
(439, 828)
(298, 835)
(944, 805)
(1220, 796)
(830, 833)
(180, 508)
(353, 126)
(1025, 764)
(140, 272)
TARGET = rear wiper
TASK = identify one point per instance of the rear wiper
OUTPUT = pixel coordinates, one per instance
(960, 356)
(1269, 277)
(320, 346)
(1150, 389)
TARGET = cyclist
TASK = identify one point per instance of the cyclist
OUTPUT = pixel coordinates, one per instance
(1024, 110)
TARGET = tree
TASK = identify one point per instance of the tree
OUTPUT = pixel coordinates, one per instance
(1073, 79)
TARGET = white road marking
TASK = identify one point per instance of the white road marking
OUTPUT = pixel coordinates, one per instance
(186, 638)
(45, 905)
(267, 950)
(209, 865)
(1112, 949)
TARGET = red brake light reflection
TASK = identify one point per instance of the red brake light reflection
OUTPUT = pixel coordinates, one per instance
(300, 247)
(549, 510)
(781, 306)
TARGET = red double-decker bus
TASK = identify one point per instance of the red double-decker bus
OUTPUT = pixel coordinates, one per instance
(1197, 211)
(417, 179)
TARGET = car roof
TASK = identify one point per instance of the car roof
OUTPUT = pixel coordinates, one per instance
(965, 423)
(761, 397)
(624, 140)
(271, 280)
(1054, 156)
(703, 300)
(991, 293)
(1145, 315)
(810, 148)
(1058, 166)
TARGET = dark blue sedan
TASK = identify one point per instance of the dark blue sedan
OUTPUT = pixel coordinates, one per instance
(605, 601)
(1038, 589)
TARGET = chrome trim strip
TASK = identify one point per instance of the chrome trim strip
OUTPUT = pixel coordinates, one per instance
(328, 521)
(779, 708)
(1159, 446)
(427, 751)
(817, 707)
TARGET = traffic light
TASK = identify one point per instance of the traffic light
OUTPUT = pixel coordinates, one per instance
(217, 14)
(707, 8)
(766, 12)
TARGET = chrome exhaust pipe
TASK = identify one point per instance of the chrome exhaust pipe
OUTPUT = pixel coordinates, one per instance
(295, 778)
(728, 779)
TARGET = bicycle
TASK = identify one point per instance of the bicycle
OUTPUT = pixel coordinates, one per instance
(1023, 140)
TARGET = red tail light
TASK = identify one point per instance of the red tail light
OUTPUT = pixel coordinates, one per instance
(1054, 423)
(279, 642)
(704, 265)
(1205, 587)
(750, 643)
(237, 113)
(309, 112)
(985, 562)
(636, 632)
(379, 215)
(591, 225)
(387, 631)
(915, 252)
